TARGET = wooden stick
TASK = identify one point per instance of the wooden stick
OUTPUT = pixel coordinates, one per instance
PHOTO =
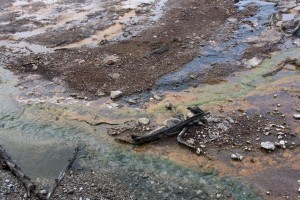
(16, 171)
(63, 173)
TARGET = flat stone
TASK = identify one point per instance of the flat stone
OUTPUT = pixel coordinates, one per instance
(268, 145)
(288, 17)
(144, 121)
(116, 94)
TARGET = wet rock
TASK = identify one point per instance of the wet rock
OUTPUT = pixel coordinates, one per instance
(236, 156)
(268, 145)
(297, 116)
(144, 121)
(252, 63)
(171, 122)
(116, 94)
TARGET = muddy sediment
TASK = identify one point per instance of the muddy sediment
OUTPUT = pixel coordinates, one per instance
(161, 49)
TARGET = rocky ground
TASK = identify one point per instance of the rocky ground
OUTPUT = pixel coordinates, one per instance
(126, 54)
(128, 66)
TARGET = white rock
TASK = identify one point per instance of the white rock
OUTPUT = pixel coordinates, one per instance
(236, 156)
(144, 121)
(43, 192)
(232, 20)
(297, 116)
(252, 63)
(297, 42)
(281, 144)
(268, 145)
(116, 94)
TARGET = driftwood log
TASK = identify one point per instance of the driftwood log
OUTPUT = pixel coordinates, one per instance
(140, 140)
(8, 164)
(63, 173)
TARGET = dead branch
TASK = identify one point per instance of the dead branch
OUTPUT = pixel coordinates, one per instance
(63, 173)
(7, 163)
(279, 68)
(139, 140)
(182, 141)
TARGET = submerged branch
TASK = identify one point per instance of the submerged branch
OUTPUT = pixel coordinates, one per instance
(63, 173)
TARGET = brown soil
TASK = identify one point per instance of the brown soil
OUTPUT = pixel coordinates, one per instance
(142, 60)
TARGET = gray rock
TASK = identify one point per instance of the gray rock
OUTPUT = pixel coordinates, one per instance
(116, 94)
(144, 121)
(171, 122)
(268, 145)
